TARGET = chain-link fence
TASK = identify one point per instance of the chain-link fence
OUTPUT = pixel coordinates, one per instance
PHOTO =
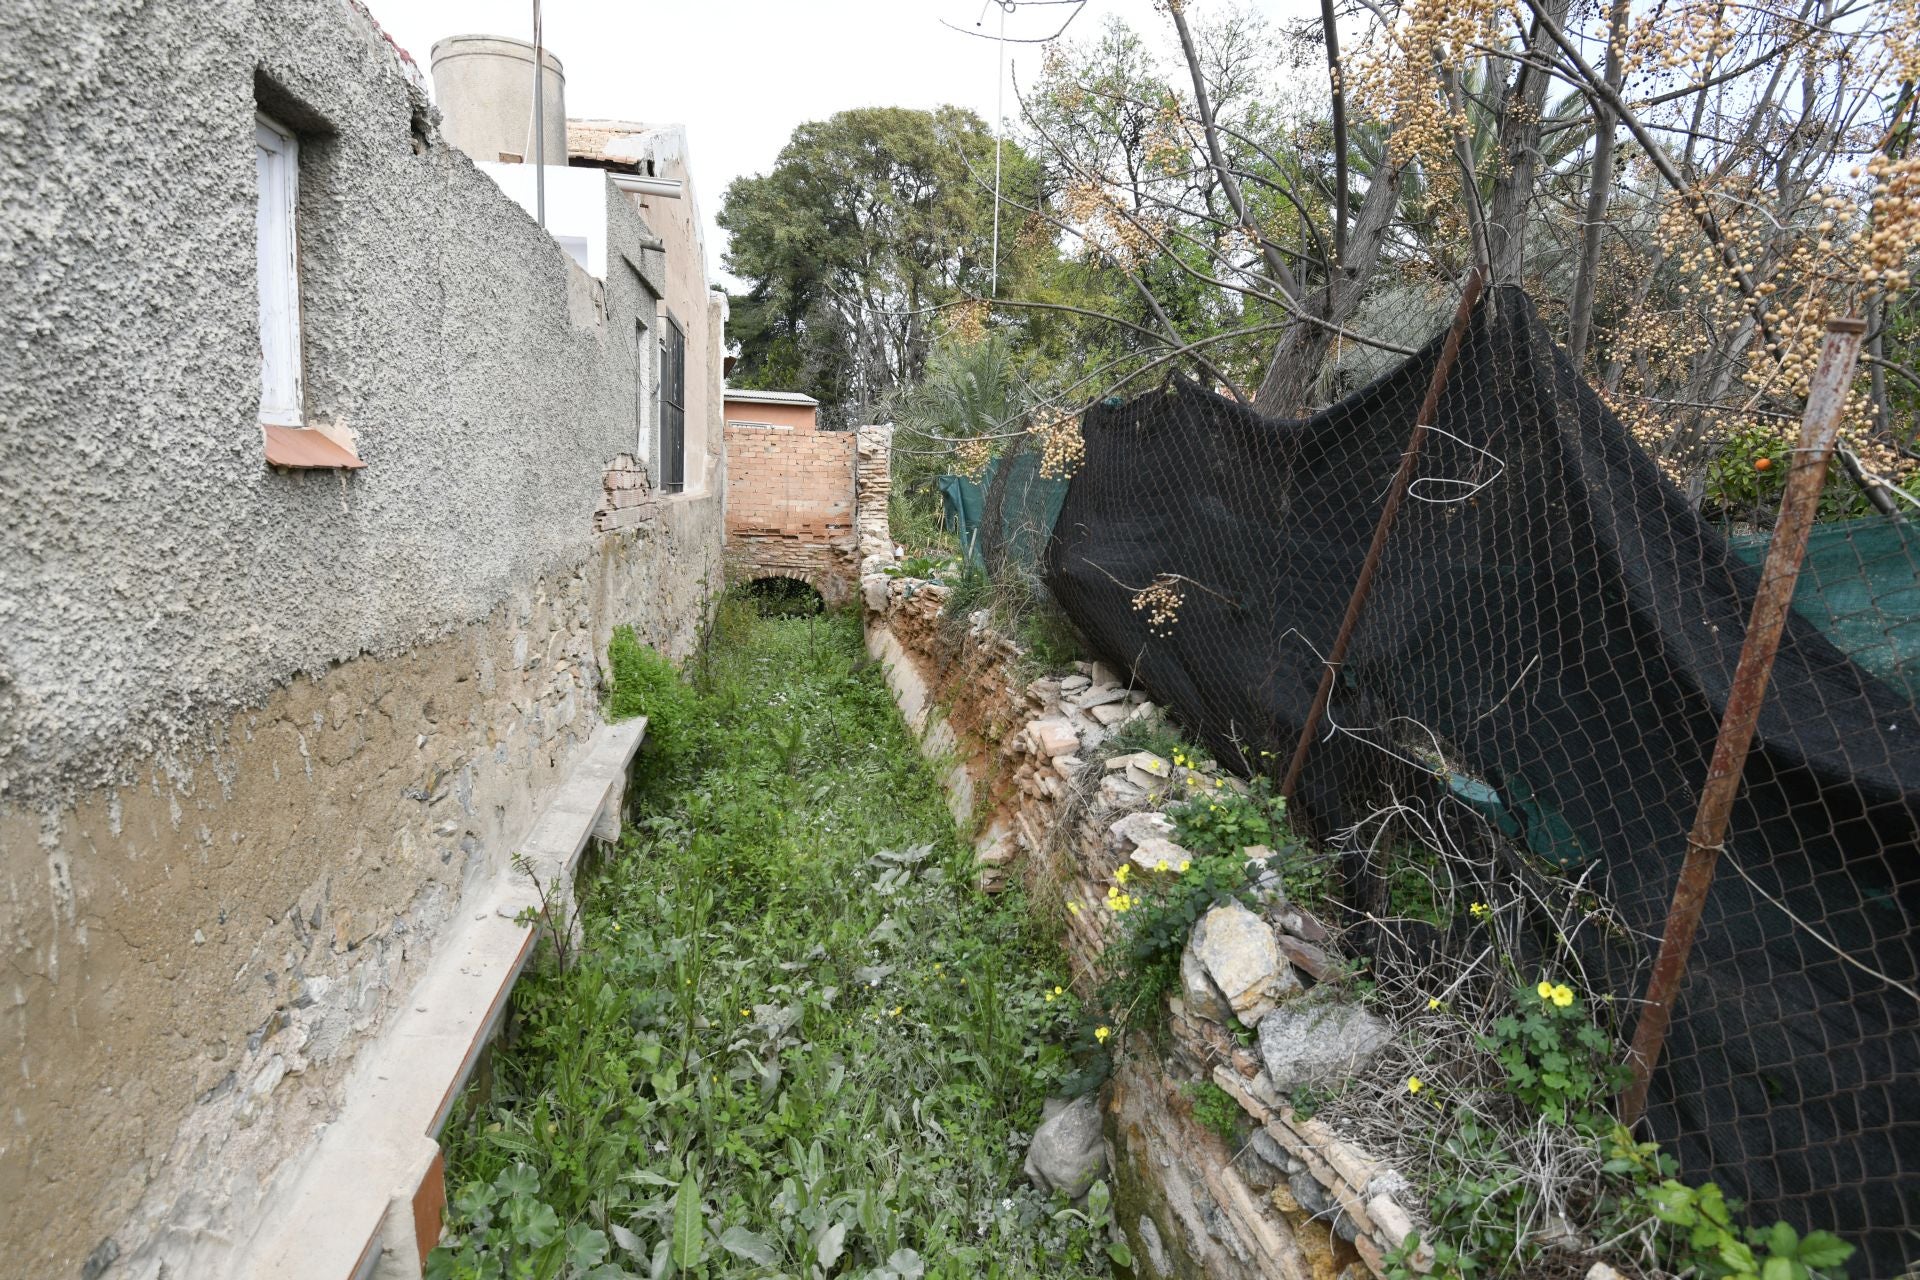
(1541, 668)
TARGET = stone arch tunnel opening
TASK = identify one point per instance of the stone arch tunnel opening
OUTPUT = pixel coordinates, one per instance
(780, 596)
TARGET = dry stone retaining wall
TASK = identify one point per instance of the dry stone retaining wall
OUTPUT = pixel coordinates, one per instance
(1295, 1202)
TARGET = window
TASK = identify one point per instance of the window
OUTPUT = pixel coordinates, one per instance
(276, 155)
(646, 402)
(673, 408)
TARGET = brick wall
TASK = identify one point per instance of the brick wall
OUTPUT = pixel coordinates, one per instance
(790, 506)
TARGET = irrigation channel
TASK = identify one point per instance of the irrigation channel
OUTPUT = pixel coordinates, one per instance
(791, 1039)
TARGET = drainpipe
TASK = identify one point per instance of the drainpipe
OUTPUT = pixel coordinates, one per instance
(539, 121)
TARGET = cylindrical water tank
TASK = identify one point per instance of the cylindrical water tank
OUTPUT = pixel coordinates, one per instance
(484, 88)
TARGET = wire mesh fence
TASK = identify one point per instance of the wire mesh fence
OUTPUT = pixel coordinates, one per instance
(1539, 673)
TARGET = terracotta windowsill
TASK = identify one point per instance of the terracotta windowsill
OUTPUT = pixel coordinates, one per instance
(306, 449)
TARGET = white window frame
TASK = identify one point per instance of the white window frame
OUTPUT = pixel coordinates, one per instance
(277, 260)
(646, 394)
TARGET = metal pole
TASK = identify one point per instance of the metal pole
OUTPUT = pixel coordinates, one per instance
(1396, 492)
(539, 120)
(1826, 404)
(999, 127)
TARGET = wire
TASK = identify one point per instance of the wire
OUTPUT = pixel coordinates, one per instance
(1468, 485)
(1000, 94)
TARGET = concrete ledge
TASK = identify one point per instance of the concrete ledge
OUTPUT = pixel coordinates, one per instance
(367, 1200)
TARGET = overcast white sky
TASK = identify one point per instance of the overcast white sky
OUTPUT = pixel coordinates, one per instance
(740, 74)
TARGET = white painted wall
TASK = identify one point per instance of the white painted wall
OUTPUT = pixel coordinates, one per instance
(576, 206)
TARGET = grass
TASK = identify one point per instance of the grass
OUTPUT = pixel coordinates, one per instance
(1020, 606)
(792, 1040)
(1149, 733)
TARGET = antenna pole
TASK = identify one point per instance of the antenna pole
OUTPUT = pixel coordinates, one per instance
(999, 127)
(539, 121)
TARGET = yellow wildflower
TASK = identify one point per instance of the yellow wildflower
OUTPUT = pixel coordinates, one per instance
(1433, 1004)
(897, 1008)
(1415, 1084)
(1185, 863)
(1121, 872)
(746, 1013)
(1480, 910)
(1562, 995)
(1545, 989)
(1073, 907)
(1101, 1033)
(1219, 782)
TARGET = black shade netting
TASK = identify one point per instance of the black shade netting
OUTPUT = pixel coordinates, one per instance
(1552, 621)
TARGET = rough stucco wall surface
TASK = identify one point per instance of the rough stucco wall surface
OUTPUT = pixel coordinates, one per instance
(260, 731)
(161, 566)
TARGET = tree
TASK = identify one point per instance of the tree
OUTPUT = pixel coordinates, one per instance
(868, 223)
(1686, 214)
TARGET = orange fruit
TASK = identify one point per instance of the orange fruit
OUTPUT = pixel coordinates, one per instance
(1762, 464)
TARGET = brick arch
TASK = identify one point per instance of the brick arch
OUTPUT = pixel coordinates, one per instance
(790, 507)
(814, 587)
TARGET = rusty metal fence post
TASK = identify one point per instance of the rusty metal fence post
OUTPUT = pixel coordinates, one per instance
(1819, 428)
(1396, 493)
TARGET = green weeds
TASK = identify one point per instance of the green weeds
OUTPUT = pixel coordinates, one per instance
(793, 1042)
(1556, 1075)
(1216, 1110)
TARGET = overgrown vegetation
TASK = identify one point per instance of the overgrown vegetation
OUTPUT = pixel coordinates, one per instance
(792, 1041)
(1493, 1213)
(1497, 1095)
(1158, 908)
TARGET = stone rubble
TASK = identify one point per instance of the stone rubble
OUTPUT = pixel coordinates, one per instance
(1069, 1149)
(1157, 855)
(1238, 951)
(1138, 828)
(1203, 998)
(1318, 1042)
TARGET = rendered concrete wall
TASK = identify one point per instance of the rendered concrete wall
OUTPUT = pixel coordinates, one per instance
(261, 733)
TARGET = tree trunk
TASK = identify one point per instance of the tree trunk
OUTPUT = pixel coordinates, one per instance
(1287, 388)
(1520, 119)
(1600, 192)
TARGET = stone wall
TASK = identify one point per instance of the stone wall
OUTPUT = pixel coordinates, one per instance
(790, 506)
(263, 733)
(1025, 767)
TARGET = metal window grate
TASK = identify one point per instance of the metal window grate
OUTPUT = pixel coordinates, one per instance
(673, 408)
